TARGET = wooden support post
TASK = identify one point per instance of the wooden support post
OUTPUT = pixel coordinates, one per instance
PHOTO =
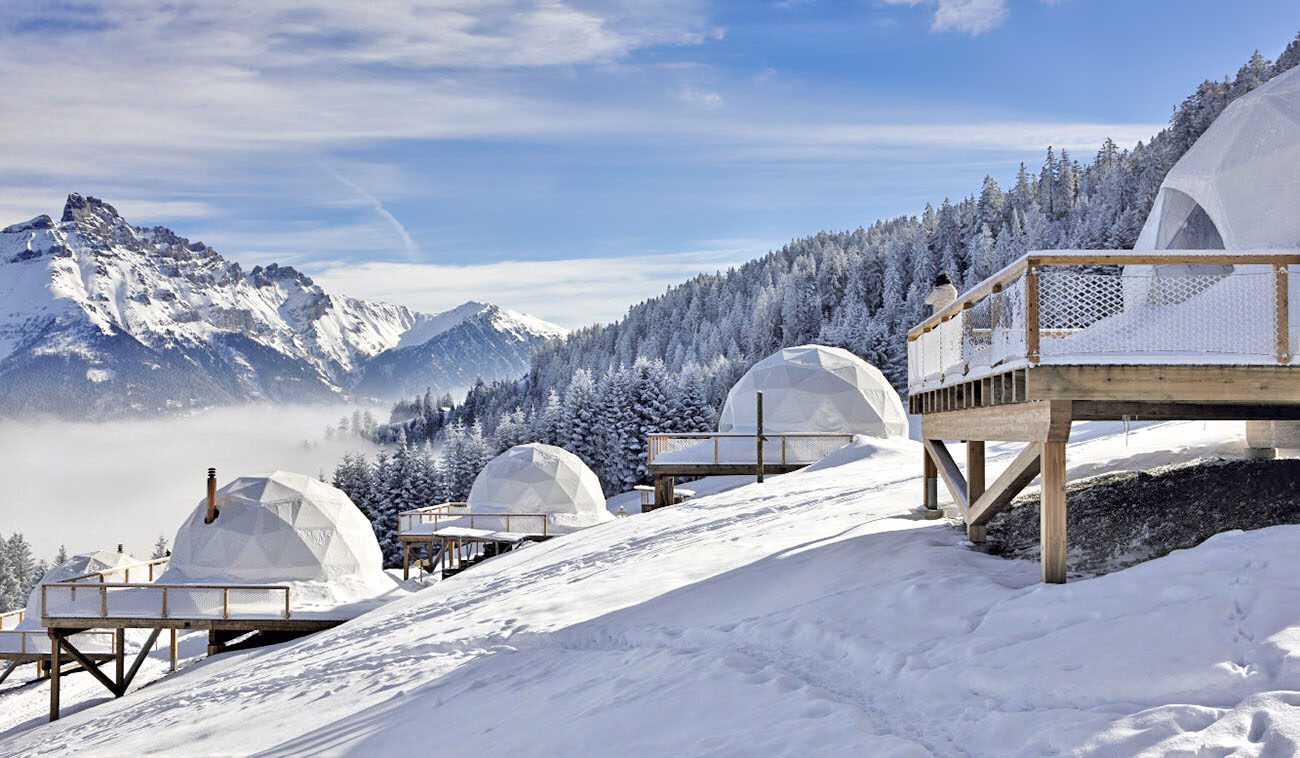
(119, 654)
(758, 400)
(974, 484)
(1281, 313)
(56, 664)
(931, 487)
(406, 561)
(664, 491)
(949, 472)
(172, 649)
(1031, 311)
(1052, 512)
(214, 643)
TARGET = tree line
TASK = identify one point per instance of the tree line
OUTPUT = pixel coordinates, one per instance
(669, 362)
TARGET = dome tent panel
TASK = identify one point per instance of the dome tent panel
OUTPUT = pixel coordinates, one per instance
(538, 478)
(1240, 173)
(815, 389)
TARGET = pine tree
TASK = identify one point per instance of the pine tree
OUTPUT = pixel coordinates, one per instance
(160, 548)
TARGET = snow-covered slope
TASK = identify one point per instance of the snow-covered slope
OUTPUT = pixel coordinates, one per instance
(805, 616)
(98, 317)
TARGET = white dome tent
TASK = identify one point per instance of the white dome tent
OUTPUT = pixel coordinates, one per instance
(30, 635)
(283, 528)
(1236, 188)
(538, 478)
(815, 389)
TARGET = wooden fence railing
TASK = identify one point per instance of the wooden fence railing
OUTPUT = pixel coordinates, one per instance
(1081, 303)
(12, 618)
(151, 569)
(786, 448)
(461, 513)
(37, 642)
(199, 601)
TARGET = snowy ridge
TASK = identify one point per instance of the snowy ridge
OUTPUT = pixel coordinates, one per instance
(805, 616)
(101, 317)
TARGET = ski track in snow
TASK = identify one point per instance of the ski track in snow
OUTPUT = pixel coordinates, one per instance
(810, 615)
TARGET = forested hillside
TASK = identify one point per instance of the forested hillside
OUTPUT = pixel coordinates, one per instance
(668, 364)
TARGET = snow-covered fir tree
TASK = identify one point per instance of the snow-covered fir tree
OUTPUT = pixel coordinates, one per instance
(669, 362)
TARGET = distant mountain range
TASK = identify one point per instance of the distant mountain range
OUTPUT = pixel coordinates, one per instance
(99, 318)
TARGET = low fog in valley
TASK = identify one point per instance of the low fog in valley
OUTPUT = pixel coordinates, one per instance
(92, 486)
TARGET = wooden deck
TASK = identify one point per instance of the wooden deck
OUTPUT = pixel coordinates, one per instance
(71, 610)
(463, 537)
(672, 455)
(1021, 395)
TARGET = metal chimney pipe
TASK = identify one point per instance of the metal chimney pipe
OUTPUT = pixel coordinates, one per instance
(212, 496)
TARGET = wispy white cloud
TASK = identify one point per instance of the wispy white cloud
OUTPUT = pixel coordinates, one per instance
(408, 244)
(572, 293)
(973, 17)
(700, 98)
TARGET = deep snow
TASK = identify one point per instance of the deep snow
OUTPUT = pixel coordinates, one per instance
(808, 615)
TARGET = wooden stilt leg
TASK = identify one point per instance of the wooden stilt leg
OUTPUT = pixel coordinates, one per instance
(930, 483)
(974, 484)
(664, 491)
(173, 649)
(55, 665)
(214, 643)
(1052, 512)
(406, 561)
(119, 642)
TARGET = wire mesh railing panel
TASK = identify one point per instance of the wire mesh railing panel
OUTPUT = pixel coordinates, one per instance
(812, 449)
(1157, 312)
(72, 600)
(133, 602)
(256, 603)
(195, 602)
(90, 643)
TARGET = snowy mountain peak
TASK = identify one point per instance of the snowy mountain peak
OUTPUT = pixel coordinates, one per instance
(104, 318)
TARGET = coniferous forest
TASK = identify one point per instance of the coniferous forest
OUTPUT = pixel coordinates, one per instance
(668, 364)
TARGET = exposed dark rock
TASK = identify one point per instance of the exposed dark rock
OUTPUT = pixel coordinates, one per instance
(1118, 520)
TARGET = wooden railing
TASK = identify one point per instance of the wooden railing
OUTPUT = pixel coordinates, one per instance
(37, 641)
(791, 448)
(152, 569)
(1044, 304)
(463, 516)
(12, 618)
(174, 600)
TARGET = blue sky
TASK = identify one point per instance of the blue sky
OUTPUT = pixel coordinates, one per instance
(568, 158)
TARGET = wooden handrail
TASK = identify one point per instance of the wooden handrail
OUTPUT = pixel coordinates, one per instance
(24, 634)
(225, 590)
(1096, 258)
(150, 564)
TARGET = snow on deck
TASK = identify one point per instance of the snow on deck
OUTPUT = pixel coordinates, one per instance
(803, 616)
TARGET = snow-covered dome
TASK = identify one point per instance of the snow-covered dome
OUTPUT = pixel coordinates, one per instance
(815, 389)
(1237, 188)
(77, 565)
(281, 528)
(537, 478)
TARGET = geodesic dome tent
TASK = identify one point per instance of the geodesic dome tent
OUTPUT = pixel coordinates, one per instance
(815, 389)
(1237, 187)
(77, 565)
(537, 478)
(276, 529)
